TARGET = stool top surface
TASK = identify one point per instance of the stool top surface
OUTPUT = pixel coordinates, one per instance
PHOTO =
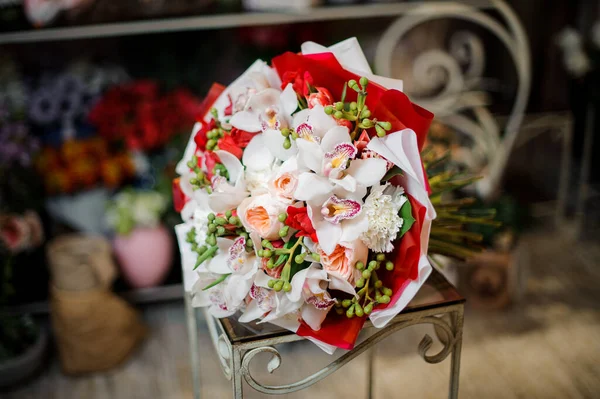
(437, 292)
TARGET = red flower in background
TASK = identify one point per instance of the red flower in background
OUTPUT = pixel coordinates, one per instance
(139, 116)
(321, 97)
(227, 143)
(298, 219)
(241, 137)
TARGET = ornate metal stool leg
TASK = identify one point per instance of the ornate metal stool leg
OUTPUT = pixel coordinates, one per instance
(457, 318)
(236, 374)
(193, 338)
(370, 361)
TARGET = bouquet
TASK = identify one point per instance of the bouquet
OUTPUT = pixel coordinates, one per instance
(304, 197)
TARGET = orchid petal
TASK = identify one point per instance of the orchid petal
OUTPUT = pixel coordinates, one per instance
(353, 228)
(335, 136)
(262, 279)
(300, 117)
(256, 155)
(348, 183)
(368, 172)
(320, 121)
(263, 99)
(340, 284)
(310, 155)
(312, 188)
(329, 235)
(218, 264)
(273, 140)
(348, 53)
(313, 317)
(289, 99)
(297, 284)
(358, 194)
(226, 200)
(236, 290)
(246, 120)
(252, 312)
(232, 164)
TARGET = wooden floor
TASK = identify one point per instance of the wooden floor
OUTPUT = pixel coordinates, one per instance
(548, 347)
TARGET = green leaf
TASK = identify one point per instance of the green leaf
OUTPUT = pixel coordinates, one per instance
(395, 171)
(406, 215)
(294, 266)
(217, 281)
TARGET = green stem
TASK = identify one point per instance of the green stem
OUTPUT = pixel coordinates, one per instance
(209, 253)
(217, 281)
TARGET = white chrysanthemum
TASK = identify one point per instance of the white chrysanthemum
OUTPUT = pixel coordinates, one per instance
(382, 210)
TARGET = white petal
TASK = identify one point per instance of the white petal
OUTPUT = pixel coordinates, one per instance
(300, 117)
(320, 121)
(246, 120)
(313, 188)
(252, 312)
(218, 264)
(368, 172)
(256, 155)
(348, 183)
(232, 164)
(274, 142)
(228, 200)
(310, 155)
(289, 166)
(329, 235)
(236, 290)
(289, 99)
(297, 283)
(340, 284)
(313, 317)
(264, 99)
(335, 136)
(262, 279)
(353, 228)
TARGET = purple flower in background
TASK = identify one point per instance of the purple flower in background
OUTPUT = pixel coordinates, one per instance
(16, 145)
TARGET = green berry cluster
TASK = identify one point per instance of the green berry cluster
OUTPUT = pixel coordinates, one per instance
(357, 111)
(213, 137)
(371, 292)
(223, 225)
(294, 252)
(200, 180)
(289, 135)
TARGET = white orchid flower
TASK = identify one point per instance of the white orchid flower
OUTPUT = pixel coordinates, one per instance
(239, 267)
(269, 111)
(308, 297)
(336, 169)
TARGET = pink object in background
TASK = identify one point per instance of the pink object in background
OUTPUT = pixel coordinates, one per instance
(145, 255)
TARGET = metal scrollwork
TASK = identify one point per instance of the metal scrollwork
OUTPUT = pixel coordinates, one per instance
(453, 80)
(275, 362)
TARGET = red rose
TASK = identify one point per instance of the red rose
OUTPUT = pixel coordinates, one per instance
(227, 143)
(241, 137)
(298, 219)
(321, 97)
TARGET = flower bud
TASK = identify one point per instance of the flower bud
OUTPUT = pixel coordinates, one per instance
(228, 214)
(353, 106)
(316, 257)
(384, 299)
(381, 257)
(366, 274)
(360, 282)
(358, 310)
(284, 231)
(211, 216)
(385, 125)
(287, 287)
(378, 284)
(287, 144)
(350, 312)
(368, 308)
(389, 266)
(365, 113)
(271, 283)
(364, 82)
(267, 253)
(346, 303)
(359, 265)
(328, 110)
(352, 84)
(278, 285)
(282, 217)
(380, 131)
(220, 221)
(338, 115)
(220, 230)
(339, 106)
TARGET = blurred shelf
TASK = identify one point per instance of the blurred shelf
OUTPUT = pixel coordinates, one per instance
(220, 21)
(136, 296)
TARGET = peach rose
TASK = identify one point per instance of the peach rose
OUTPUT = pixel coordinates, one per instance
(284, 186)
(260, 215)
(340, 263)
